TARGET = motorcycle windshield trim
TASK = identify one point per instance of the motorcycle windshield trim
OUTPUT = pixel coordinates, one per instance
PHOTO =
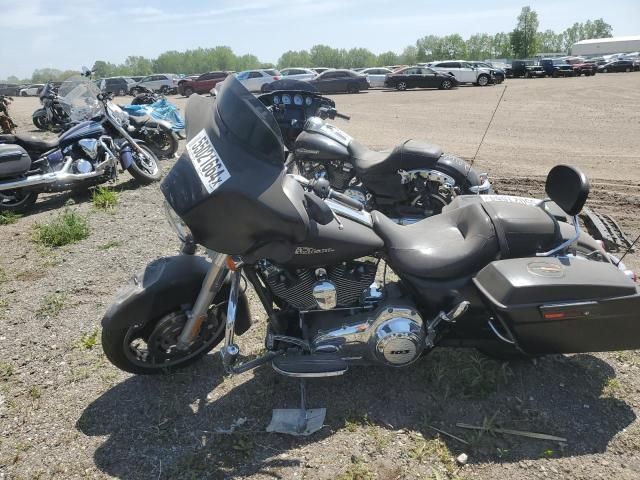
(249, 121)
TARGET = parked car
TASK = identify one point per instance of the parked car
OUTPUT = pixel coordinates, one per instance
(584, 68)
(617, 66)
(10, 89)
(498, 73)
(465, 72)
(535, 71)
(321, 69)
(557, 68)
(254, 80)
(31, 90)
(376, 76)
(298, 73)
(160, 82)
(136, 78)
(420, 77)
(340, 81)
(117, 85)
(201, 84)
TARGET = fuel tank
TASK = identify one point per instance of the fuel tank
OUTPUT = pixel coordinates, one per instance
(87, 129)
(318, 147)
(328, 244)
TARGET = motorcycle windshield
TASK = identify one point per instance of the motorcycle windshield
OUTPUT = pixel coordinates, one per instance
(79, 97)
(249, 121)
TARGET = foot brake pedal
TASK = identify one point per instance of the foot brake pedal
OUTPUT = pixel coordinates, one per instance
(309, 366)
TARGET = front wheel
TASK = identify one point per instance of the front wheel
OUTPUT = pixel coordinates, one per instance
(144, 167)
(401, 86)
(353, 89)
(446, 85)
(188, 91)
(17, 201)
(152, 348)
(40, 120)
(483, 80)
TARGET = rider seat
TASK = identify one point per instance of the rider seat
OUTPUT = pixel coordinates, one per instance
(451, 245)
(139, 120)
(30, 143)
(408, 156)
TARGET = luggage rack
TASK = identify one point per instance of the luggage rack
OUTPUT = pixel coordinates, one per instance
(603, 227)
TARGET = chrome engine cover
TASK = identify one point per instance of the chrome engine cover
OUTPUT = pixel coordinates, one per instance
(393, 334)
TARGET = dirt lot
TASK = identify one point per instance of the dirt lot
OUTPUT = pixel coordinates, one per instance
(66, 413)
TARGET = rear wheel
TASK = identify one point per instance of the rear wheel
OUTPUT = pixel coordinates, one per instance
(40, 120)
(17, 201)
(351, 88)
(162, 142)
(144, 167)
(627, 69)
(122, 92)
(401, 86)
(187, 91)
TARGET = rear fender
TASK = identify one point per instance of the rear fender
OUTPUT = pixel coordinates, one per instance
(164, 285)
(461, 171)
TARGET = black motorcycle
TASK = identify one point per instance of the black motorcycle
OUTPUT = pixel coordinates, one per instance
(52, 116)
(7, 125)
(502, 276)
(410, 182)
(85, 155)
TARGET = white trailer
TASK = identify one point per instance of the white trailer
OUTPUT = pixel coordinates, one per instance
(606, 46)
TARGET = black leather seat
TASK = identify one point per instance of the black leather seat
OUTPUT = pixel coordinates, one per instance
(408, 156)
(30, 142)
(451, 245)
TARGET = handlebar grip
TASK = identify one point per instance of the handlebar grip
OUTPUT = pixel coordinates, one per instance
(342, 198)
(345, 117)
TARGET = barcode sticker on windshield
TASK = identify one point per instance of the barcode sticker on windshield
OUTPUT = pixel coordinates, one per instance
(211, 170)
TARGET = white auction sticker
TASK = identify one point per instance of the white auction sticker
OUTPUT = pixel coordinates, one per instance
(210, 167)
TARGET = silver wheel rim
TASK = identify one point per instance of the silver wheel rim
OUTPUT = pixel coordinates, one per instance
(146, 162)
(402, 86)
(482, 81)
(446, 84)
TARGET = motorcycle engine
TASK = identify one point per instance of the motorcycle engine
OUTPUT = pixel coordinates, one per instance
(393, 334)
(82, 166)
(338, 172)
(340, 285)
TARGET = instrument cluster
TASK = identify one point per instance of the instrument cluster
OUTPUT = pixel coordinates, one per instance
(296, 99)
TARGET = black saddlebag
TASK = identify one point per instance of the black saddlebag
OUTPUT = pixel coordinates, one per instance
(14, 160)
(563, 305)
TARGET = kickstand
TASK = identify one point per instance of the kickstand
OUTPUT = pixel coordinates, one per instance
(297, 421)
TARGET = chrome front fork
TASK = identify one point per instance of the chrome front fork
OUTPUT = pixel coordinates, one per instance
(210, 287)
(230, 350)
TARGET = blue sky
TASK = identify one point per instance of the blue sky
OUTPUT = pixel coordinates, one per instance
(71, 33)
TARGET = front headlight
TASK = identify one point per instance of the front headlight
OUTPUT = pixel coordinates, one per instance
(181, 228)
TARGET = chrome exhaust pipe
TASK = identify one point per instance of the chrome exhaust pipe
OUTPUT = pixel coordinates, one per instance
(62, 175)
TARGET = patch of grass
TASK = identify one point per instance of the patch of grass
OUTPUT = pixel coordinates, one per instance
(611, 387)
(110, 244)
(88, 340)
(104, 198)
(358, 470)
(548, 453)
(68, 227)
(52, 304)
(7, 218)
(424, 450)
(353, 421)
(6, 370)
(35, 392)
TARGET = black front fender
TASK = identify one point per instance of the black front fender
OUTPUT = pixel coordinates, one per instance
(165, 285)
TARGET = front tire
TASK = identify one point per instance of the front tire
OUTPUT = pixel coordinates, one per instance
(483, 80)
(39, 119)
(401, 86)
(353, 89)
(188, 91)
(446, 85)
(144, 169)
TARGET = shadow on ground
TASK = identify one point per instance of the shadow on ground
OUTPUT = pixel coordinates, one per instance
(167, 427)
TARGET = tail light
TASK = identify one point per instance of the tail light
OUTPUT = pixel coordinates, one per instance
(276, 78)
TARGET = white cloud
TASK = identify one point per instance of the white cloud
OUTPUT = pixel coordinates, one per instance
(27, 15)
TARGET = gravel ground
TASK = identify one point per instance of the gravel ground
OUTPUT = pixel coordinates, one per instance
(66, 413)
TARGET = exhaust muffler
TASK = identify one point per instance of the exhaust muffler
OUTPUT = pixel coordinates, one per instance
(61, 176)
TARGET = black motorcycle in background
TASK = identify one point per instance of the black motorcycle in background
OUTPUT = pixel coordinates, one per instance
(52, 116)
(413, 181)
(85, 155)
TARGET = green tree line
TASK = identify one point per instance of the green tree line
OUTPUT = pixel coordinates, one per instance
(524, 41)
